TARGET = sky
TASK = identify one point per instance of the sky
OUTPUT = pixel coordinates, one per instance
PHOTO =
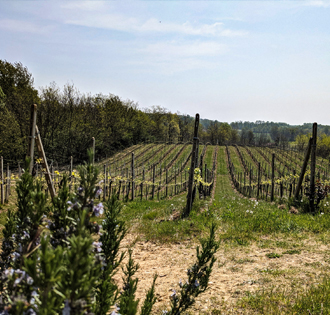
(226, 60)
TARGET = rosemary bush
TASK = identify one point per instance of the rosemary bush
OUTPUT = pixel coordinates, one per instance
(57, 260)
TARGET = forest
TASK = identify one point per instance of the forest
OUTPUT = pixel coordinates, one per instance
(68, 119)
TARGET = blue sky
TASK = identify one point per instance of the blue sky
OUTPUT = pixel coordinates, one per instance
(227, 60)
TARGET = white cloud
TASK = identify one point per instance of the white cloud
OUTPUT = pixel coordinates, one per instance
(152, 25)
(318, 3)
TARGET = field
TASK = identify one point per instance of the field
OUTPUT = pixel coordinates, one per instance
(271, 260)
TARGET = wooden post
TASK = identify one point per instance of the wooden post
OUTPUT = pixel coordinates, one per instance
(33, 122)
(166, 189)
(93, 139)
(313, 163)
(258, 189)
(133, 176)
(153, 181)
(71, 171)
(142, 183)
(2, 183)
(303, 169)
(104, 181)
(45, 164)
(192, 169)
(7, 184)
(273, 176)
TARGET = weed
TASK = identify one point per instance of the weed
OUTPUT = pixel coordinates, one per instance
(273, 255)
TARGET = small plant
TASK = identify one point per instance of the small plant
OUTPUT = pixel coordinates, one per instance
(273, 255)
(198, 276)
(292, 251)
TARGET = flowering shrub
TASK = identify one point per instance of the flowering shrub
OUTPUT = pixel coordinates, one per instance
(57, 260)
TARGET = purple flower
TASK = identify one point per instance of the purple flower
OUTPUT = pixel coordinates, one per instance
(98, 209)
(98, 193)
(70, 205)
(97, 246)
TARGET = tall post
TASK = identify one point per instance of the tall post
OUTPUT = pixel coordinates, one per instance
(142, 183)
(303, 169)
(2, 183)
(93, 150)
(71, 166)
(273, 175)
(166, 189)
(192, 169)
(7, 184)
(153, 181)
(71, 171)
(104, 181)
(258, 190)
(133, 175)
(44, 163)
(313, 163)
(32, 134)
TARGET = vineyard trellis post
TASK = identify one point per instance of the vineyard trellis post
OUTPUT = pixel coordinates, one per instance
(2, 183)
(71, 171)
(303, 169)
(32, 135)
(258, 180)
(133, 175)
(45, 164)
(273, 175)
(93, 139)
(192, 169)
(313, 163)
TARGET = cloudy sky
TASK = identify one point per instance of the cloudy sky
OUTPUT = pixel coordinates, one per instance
(227, 60)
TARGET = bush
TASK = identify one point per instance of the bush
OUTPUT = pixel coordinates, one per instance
(51, 264)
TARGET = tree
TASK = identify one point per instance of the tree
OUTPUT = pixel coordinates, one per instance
(17, 84)
(10, 136)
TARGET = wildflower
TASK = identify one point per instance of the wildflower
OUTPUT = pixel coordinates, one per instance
(25, 235)
(70, 205)
(196, 284)
(173, 295)
(98, 209)
(251, 211)
(34, 294)
(97, 246)
(16, 255)
(67, 308)
(321, 213)
(9, 272)
(29, 280)
(98, 193)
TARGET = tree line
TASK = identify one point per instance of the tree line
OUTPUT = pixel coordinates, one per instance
(68, 119)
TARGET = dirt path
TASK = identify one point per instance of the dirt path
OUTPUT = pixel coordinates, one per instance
(238, 270)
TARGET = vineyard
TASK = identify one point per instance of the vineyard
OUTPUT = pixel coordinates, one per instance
(264, 246)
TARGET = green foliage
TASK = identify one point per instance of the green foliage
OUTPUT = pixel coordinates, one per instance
(128, 304)
(46, 268)
(113, 232)
(198, 275)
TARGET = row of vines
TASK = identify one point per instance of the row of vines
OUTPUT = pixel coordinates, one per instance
(252, 173)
